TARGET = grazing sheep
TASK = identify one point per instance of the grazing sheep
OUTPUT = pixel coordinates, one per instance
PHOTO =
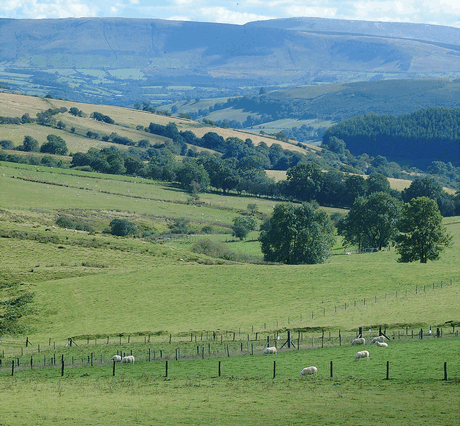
(309, 371)
(127, 359)
(270, 350)
(378, 339)
(362, 354)
(358, 341)
(116, 358)
(381, 344)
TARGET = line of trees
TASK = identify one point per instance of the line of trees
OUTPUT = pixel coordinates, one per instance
(298, 234)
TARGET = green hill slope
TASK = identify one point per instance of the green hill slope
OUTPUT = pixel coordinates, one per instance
(93, 283)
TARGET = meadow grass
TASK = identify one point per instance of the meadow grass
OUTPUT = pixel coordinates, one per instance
(247, 391)
(95, 284)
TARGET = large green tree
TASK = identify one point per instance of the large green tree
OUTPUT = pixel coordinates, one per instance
(371, 222)
(421, 234)
(297, 234)
(55, 145)
(305, 181)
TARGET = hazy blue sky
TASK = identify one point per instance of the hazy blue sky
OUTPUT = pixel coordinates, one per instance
(440, 12)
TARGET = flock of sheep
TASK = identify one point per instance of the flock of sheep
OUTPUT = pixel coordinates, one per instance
(129, 359)
(312, 370)
(271, 350)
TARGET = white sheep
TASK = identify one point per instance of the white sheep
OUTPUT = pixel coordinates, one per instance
(362, 354)
(116, 358)
(270, 350)
(381, 344)
(380, 338)
(358, 341)
(309, 371)
(127, 359)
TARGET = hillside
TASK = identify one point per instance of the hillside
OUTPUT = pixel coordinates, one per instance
(126, 123)
(60, 264)
(123, 61)
(322, 104)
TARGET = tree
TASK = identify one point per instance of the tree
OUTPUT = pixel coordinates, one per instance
(242, 225)
(305, 181)
(376, 182)
(193, 176)
(297, 234)
(122, 227)
(423, 187)
(55, 145)
(371, 222)
(30, 144)
(355, 186)
(421, 234)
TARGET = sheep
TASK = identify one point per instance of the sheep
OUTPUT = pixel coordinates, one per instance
(362, 354)
(270, 350)
(116, 358)
(381, 344)
(358, 341)
(380, 338)
(127, 359)
(309, 371)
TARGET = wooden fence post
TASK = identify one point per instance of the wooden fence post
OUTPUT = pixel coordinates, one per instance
(12, 367)
(219, 368)
(166, 372)
(62, 366)
(113, 368)
(274, 369)
(445, 370)
(332, 374)
(388, 371)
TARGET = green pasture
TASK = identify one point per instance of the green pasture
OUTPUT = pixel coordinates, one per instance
(221, 297)
(246, 392)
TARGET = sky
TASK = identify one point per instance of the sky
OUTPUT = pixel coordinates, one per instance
(437, 12)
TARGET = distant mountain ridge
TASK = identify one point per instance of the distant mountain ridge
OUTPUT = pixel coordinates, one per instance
(422, 32)
(118, 60)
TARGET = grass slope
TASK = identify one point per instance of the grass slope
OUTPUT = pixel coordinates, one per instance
(92, 283)
(97, 285)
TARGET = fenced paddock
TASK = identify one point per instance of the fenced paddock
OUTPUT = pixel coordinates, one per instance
(411, 355)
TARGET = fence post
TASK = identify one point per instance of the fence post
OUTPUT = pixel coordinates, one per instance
(445, 370)
(12, 367)
(274, 369)
(332, 375)
(388, 370)
(166, 372)
(113, 369)
(219, 368)
(62, 366)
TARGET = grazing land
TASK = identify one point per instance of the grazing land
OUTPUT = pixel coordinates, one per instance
(138, 293)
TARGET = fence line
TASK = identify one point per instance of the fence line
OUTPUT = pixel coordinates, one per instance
(101, 354)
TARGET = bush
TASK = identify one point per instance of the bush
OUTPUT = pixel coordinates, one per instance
(212, 249)
(122, 227)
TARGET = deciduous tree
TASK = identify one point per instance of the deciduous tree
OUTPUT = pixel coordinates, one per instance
(297, 234)
(421, 234)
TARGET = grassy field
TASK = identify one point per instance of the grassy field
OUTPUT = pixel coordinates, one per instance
(69, 269)
(247, 391)
(95, 286)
